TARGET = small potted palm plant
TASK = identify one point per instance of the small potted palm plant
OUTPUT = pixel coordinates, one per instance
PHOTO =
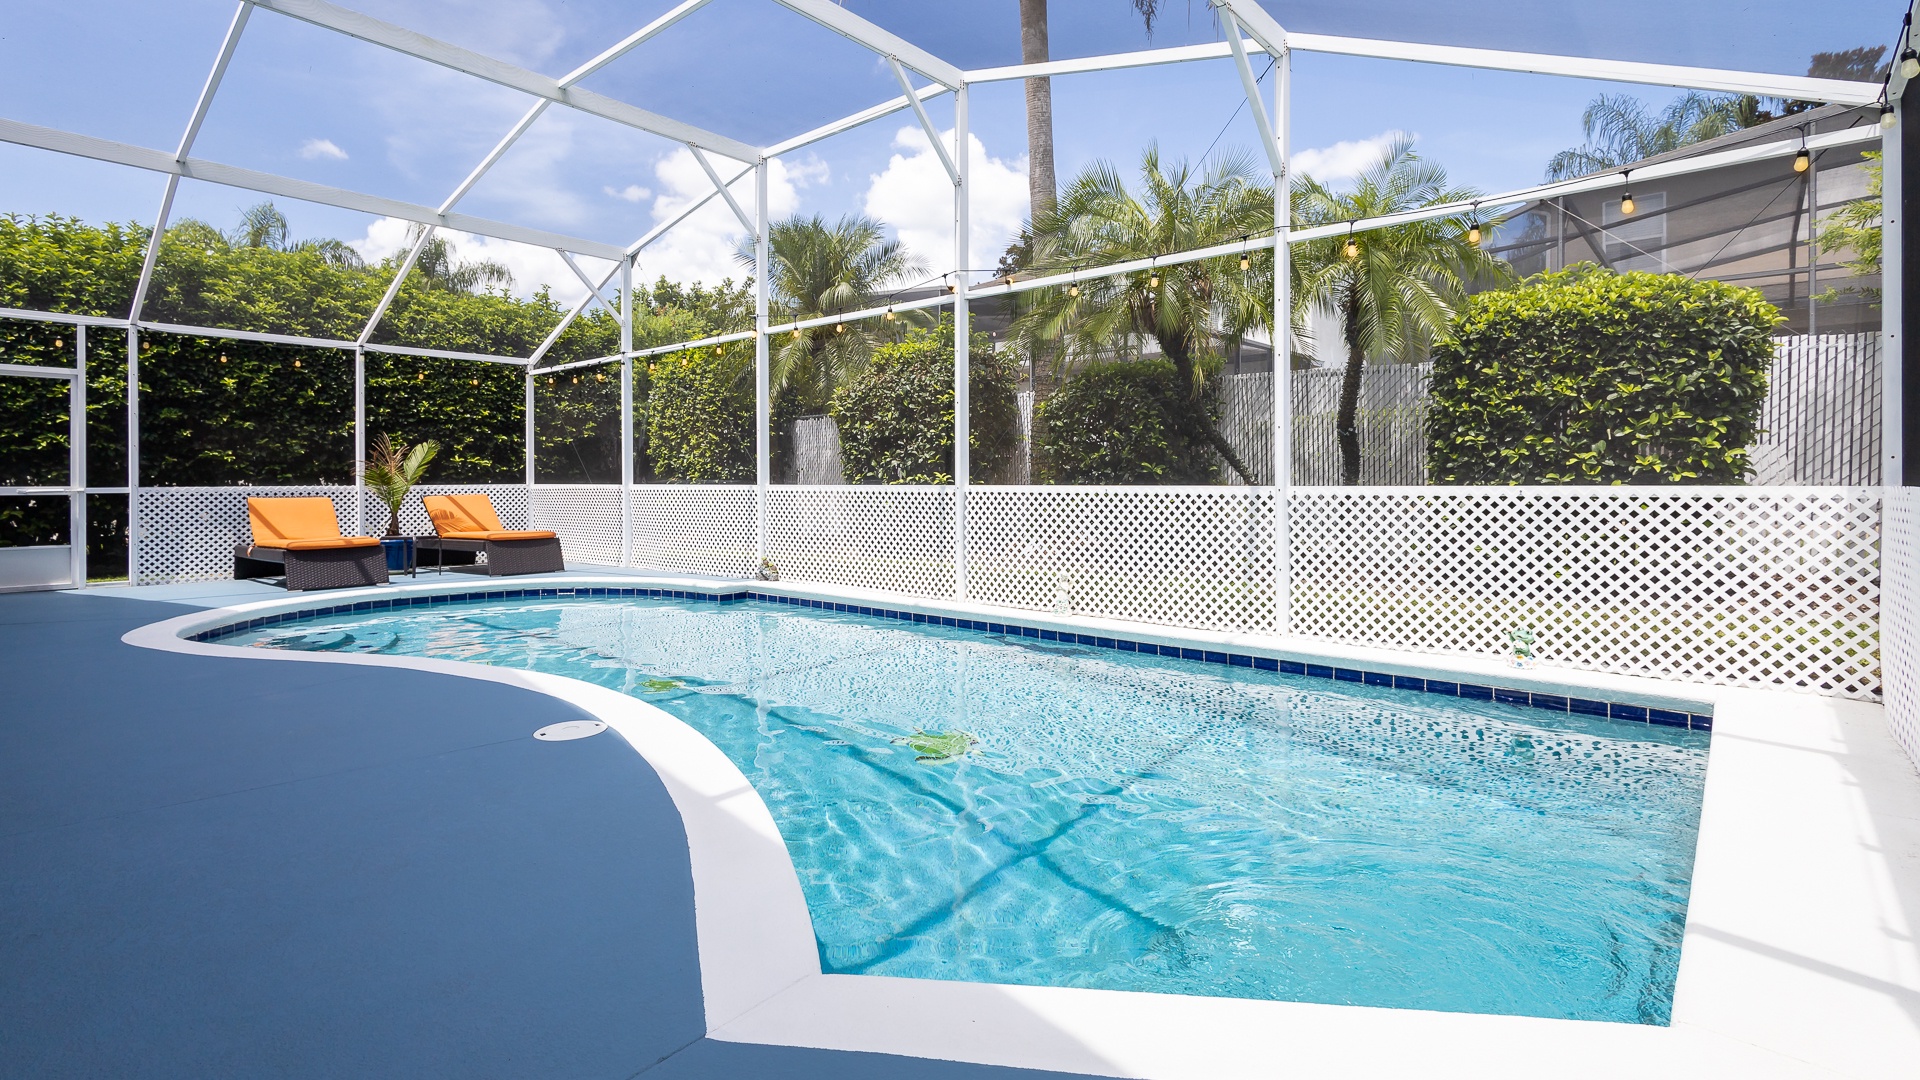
(391, 470)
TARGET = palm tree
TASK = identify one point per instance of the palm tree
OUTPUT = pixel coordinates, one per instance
(262, 225)
(391, 470)
(1400, 286)
(1189, 308)
(819, 269)
(439, 265)
(1033, 50)
(1621, 130)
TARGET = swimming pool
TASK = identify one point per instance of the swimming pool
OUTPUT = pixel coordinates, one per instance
(970, 806)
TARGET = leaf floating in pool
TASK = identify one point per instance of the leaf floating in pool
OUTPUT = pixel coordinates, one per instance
(660, 686)
(938, 746)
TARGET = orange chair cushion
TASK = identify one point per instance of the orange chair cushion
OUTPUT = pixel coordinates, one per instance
(296, 524)
(501, 534)
(329, 542)
(454, 514)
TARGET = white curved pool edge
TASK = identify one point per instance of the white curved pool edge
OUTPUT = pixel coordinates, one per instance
(1794, 883)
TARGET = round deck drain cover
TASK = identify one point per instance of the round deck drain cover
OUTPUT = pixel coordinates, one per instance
(571, 729)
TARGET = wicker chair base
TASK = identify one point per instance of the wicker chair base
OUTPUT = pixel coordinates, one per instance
(505, 558)
(326, 568)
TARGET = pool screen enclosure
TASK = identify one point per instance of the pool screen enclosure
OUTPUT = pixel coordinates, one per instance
(966, 519)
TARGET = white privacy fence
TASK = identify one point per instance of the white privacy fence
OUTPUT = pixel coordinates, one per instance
(1745, 586)
(1899, 614)
(188, 533)
(1751, 586)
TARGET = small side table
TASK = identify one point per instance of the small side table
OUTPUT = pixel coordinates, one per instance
(402, 555)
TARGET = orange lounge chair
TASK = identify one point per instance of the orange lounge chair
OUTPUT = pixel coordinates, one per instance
(301, 539)
(469, 523)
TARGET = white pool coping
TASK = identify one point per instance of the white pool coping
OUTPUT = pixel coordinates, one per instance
(1800, 957)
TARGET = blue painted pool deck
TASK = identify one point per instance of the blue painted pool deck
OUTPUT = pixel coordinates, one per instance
(226, 868)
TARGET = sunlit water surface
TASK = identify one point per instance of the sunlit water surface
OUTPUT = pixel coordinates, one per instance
(1137, 823)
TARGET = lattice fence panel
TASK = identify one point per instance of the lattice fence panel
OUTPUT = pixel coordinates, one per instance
(587, 517)
(1899, 613)
(697, 529)
(1186, 556)
(1772, 586)
(188, 533)
(897, 538)
(509, 501)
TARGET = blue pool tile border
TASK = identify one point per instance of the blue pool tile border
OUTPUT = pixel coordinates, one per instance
(1559, 703)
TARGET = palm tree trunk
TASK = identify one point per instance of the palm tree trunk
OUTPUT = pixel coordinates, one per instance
(1175, 350)
(1033, 50)
(1346, 423)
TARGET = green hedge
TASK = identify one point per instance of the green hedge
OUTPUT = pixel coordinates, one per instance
(1592, 377)
(1125, 423)
(896, 418)
(700, 416)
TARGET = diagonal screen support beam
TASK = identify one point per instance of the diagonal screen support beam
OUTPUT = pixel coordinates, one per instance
(194, 123)
(926, 123)
(746, 220)
(1251, 86)
(400, 39)
(885, 42)
(533, 113)
(567, 257)
(213, 172)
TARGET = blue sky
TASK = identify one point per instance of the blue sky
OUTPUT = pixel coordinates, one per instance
(307, 103)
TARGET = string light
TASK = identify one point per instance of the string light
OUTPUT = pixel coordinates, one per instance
(1352, 249)
(1803, 160)
(223, 356)
(796, 333)
(1910, 65)
(602, 377)
(473, 382)
(1153, 279)
(889, 312)
(1887, 119)
(1473, 234)
(1073, 289)
(422, 377)
(839, 328)
(59, 342)
(1246, 262)
(296, 363)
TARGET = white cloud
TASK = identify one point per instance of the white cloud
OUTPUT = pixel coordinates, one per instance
(630, 193)
(530, 266)
(914, 196)
(1345, 160)
(315, 149)
(702, 247)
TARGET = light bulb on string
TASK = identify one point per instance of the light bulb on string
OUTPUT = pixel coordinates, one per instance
(1802, 161)
(1887, 118)
(796, 333)
(889, 314)
(1473, 235)
(1352, 248)
(1153, 279)
(1910, 65)
(296, 363)
(1626, 193)
(839, 328)
(59, 343)
(223, 358)
(1246, 262)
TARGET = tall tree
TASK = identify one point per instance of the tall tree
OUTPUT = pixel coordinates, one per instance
(1393, 289)
(1041, 186)
(817, 269)
(1620, 129)
(1189, 309)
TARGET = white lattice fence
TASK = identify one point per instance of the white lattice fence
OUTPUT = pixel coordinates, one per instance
(509, 501)
(1185, 556)
(1741, 585)
(898, 538)
(188, 533)
(696, 529)
(1899, 612)
(587, 517)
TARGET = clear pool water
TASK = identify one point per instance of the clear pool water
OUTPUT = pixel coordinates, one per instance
(1139, 823)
